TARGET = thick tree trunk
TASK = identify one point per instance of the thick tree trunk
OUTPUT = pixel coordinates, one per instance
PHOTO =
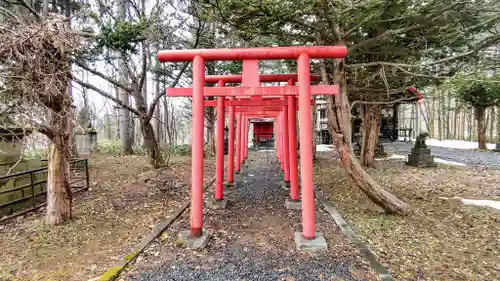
(126, 135)
(58, 188)
(155, 158)
(371, 129)
(339, 119)
(481, 132)
(148, 134)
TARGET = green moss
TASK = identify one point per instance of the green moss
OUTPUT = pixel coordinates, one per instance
(111, 274)
(130, 256)
(179, 242)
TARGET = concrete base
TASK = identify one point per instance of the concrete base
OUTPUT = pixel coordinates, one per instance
(217, 204)
(314, 245)
(293, 205)
(284, 185)
(194, 242)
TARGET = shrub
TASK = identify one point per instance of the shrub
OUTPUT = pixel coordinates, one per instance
(109, 147)
(181, 150)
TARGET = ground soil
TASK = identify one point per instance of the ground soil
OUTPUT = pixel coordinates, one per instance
(253, 239)
(443, 239)
(126, 199)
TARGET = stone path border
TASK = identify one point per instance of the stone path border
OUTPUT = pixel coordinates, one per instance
(114, 272)
(367, 253)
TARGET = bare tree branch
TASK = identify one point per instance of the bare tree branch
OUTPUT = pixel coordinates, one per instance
(382, 102)
(144, 66)
(9, 13)
(382, 36)
(104, 76)
(29, 8)
(331, 25)
(161, 94)
(106, 95)
(177, 78)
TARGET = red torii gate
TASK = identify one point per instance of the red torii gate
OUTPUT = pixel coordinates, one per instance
(271, 101)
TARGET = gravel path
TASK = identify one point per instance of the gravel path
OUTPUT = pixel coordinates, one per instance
(252, 240)
(470, 157)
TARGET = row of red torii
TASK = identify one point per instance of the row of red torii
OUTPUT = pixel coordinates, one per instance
(251, 100)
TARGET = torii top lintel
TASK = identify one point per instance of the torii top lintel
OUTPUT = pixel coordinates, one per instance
(238, 78)
(277, 53)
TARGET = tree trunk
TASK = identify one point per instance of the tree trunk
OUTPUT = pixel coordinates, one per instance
(432, 123)
(481, 132)
(148, 134)
(416, 132)
(455, 117)
(462, 123)
(126, 135)
(412, 121)
(486, 123)
(157, 115)
(491, 124)
(314, 128)
(211, 138)
(45, 8)
(58, 188)
(371, 129)
(168, 122)
(448, 115)
(298, 134)
(155, 158)
(470, 128)
(340, 126)
(439, 114)
(497, 146)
